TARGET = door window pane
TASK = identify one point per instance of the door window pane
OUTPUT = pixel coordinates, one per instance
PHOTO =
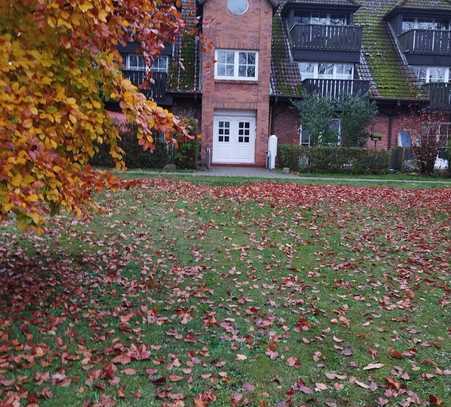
(244, 129)
(223, 131)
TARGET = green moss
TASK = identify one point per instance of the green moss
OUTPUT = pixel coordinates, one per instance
(281, 61)
(382, 57)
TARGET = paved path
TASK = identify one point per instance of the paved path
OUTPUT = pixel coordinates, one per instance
(262, 173)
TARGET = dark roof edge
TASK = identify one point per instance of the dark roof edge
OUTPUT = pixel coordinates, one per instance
(274, 3)
(399, 7)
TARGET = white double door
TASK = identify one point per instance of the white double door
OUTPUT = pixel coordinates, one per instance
(234, 137)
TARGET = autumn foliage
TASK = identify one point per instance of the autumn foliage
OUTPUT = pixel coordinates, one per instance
(58, 65)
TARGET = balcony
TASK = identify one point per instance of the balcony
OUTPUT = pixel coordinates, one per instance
(426, 47)
(335, 89)
(331, 43)
(439, 95)
(156, 90)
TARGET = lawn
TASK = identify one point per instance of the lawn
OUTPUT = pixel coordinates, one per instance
(238, 293)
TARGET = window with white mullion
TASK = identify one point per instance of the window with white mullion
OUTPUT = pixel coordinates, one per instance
(428, 74)
(236, 64)
(310, 70)
(412, 23)
(321, 18)
(161, 64)
(136, 62)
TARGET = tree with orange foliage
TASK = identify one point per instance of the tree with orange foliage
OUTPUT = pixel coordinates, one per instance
(58, 65)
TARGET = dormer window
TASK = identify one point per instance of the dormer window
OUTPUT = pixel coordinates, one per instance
(320, 18)
(425, 24)
(309, 70)
(135, 62)
(429, 74)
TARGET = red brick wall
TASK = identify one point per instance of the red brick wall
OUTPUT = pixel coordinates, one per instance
(252, 31)
(285, 123)
(381, 125)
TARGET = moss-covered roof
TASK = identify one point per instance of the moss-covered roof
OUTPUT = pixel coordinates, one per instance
(285, 77)
(391, 76)
(381, 61)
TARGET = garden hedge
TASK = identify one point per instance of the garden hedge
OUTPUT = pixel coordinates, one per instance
(184, 157)
(332, 159)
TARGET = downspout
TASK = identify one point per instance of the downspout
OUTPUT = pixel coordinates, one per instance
(270, 118)
(390, 131)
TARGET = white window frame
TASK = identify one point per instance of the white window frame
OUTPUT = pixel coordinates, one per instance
(236, 65)
(327, 17)
(334, 75)
(301, 136)
(130, 67)
(309, 142)
(153, 68)
(446, 78)
(156, 64)
(416, 24)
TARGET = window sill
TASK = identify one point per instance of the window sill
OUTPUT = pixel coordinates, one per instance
(236, 82)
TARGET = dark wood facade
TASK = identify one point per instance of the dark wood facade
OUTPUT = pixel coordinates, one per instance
(439, 95)
(426, 47)
(329, 43)
(336, 89)
(154, 87)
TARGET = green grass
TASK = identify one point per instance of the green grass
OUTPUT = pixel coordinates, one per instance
(359, 281)
(393, 180)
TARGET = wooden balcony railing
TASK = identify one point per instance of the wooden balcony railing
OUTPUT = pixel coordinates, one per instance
(156, 90)
(433, 42)
(326, 37)
(439, 95)
(334, 89)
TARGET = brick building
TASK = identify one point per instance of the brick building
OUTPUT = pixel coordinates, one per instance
(262, 54)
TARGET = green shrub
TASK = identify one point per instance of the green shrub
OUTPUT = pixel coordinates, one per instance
(355, 114)
(332, 159)
(187, 155)
(184, 157)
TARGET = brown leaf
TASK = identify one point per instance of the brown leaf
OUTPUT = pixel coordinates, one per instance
(392, 383)
(435, 401)
(175, 378)
(122, 359)
(293, 361)
(129, 371)
(373, 366)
